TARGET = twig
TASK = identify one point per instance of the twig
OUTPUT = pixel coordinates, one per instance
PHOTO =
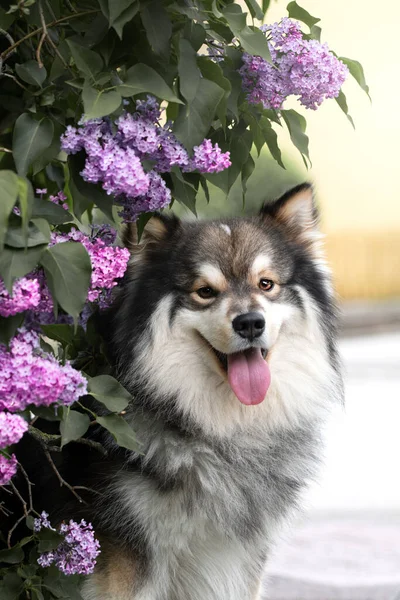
(5, 150)
(43, 36)
(68, 3)
(11, 48)
(61, 479)
(15, 79)
(92, 444)
(48, 440)
(13, 528)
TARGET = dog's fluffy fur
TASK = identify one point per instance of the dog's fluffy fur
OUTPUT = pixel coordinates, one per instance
(193, 516)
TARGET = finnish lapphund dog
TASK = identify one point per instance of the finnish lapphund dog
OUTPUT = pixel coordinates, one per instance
(224, 332)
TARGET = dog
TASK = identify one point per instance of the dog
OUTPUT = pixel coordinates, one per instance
(224, 331)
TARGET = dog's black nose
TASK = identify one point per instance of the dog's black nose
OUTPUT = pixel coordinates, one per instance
(249, 326)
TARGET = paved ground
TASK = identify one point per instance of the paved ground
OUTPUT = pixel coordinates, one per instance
(347, 544)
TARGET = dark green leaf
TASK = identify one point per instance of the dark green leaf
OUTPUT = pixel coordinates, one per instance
(53, 213)
(11, 587)
(16, 263)
(141, 223)
(184, 193)
(83, 193)
(29, 522)
(12, 556)
(120, 430)
(143, 79)
(61, 332)
(9, 195)
(252, 40)
(212, 71)
(239, 147)
(125, 18)
(117, 7)
(296, 125)
(25, 197)
(88, 62)
(158, 26)
(31, 73)
(38, 233)
(195, 33)
(98, 103)
(68, 270)
(342, 101)
(109, 392)
(297, 12)
(30, 139)
(189, 74)
(194, 121)
(48, 540)
(265, 5)
(36, 593)
(255, 9)
(45, 158)
(271, 140)
(9, 326)
(73, 425)
(247, 171)
(46, 412)
(357, 72)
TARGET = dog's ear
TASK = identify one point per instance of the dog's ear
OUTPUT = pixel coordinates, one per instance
(297, 213)
(158, 228)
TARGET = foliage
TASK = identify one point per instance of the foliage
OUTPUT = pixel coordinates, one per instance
(101, 59)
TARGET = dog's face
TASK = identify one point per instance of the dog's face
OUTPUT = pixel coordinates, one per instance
(224, 304)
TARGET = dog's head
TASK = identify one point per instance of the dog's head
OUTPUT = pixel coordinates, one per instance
(222, 313)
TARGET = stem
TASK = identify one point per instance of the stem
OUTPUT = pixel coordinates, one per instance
(11, 48)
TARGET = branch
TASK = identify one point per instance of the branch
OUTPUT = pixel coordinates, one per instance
(11, 48)
(62, 481)
(48, 440)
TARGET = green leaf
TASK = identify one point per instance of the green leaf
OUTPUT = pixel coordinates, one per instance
(109, 392)
(31, 73)
(212, 71)
(38, 233)
(88, 62)
(247, 171)
(252, 40)
(357, 71)
(117, 7)
(189, 74)
(296, 125)
(271, 140)
(48, 540)
(53, 213)
(125, 18)
(11, 586)
(195, 34)
(239, 147)
(68, 270)
(25, 197)
(184, 193)
(120, 430)
(9, 326)
(194, 121)
(60, 332)
(98, 103)
(143, 79)
(12, 556)
(342, 101)
(265, 5)
(297, 12)
(84, 193)
(255, 9)
(73, 425)
(30, 139)
(158, 26)
(141, 223)
(9, 195)
(16, 263)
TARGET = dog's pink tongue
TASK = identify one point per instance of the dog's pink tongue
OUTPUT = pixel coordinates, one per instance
(249, 375)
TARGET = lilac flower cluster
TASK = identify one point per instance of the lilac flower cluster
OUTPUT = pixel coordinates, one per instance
(115, 155)
(12, 428)
(77, 553)
(31, 376)
(59, 199)
(300, 67)
(8, 468)
(109, 263)
(25, 295)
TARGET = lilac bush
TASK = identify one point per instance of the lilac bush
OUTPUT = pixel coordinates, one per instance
(115, 153)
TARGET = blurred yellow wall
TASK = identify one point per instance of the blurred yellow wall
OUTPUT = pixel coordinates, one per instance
(356, 173)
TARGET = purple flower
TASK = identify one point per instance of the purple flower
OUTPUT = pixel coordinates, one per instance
(41, 192)
(8, 468)
(303, 68)
(60, 199)
(126, 157)
(12, 428)
(77, 553)
(209, 159)
(25, 295)
(32, 376)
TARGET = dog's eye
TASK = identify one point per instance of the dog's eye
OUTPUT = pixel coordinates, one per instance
(206, 292)
(266, 285)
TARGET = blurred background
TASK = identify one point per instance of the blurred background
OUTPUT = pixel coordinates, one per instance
(346, 544)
